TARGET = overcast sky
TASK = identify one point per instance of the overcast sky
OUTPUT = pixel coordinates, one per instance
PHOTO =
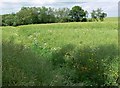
(109, 6)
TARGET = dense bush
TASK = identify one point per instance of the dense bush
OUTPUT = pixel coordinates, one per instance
(89, 66)
(21, 67)
(68, 66)
(84, 20)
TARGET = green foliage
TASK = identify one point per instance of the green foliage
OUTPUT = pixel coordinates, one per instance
(88, 64)
(46, 15)
(62, 15)
(98, 14)
(77, 13)
(72, 54)
(23, 67)
(26, 16)
(36, 15)
(8, 19)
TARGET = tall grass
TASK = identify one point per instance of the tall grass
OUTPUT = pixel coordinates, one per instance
(23, 67)
(61, 54)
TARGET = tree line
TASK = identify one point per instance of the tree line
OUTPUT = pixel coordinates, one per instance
(37, 15)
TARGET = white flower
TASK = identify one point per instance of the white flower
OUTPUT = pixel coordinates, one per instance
(16, 34)
(55, 49)
(45, 44)
(30, 36)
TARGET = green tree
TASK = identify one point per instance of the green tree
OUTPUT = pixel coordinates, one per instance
(42, 14)
(26, 16)
(94, 15)
(86, 12)
(102, 16)
(46, 15)
(62, 14)
(50, 15)
(98, 14)
(35, 15)
(8, 19)
(77, 13)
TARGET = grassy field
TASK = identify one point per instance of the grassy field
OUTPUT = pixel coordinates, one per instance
(74, 53)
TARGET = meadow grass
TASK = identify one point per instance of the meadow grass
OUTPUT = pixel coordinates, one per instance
(75, 53)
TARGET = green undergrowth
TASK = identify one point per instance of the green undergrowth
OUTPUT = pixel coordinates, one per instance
(72, 54)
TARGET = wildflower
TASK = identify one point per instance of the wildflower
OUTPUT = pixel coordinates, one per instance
(16, 34)
(45, 44)
(55, 49)
(59, 47)
(34, 38)
(30, 36)
(102, 60)
(50, 31)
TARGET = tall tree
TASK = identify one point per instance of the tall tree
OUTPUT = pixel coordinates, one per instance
(51, 17)
(94, 15)
(42, 16)
(102, 16)
(98, 14)
(77, 13)
(8, 19)
(62, 14)
(26, 16)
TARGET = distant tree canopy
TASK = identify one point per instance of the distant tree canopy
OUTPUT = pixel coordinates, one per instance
(98, 14)
(36, 15)
(77, 14)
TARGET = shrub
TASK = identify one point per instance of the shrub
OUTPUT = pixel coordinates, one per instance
(23, 67)
(89, 66)
(84, 20)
